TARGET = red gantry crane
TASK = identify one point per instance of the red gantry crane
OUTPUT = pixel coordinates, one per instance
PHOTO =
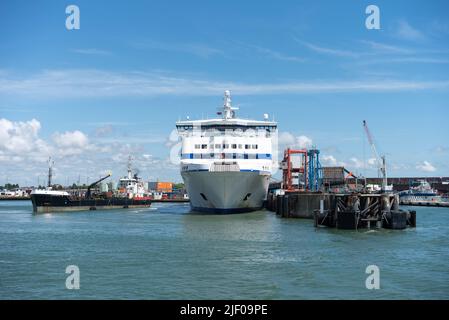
(291, 172)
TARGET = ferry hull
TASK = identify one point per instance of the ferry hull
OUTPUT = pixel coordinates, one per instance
(226, 192)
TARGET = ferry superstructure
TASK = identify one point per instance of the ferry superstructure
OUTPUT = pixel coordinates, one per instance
(227, 162)
(421, 192)
(132, 185)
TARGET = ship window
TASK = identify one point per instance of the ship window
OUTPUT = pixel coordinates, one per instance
(247, 146)
(226, 146)
(254, 146)
(204, 146)
(196, 156)
(234, 146)
(197, 146)
(234, 156)
(245, 156)
(240, 146)
(211, 146)
(217, 146)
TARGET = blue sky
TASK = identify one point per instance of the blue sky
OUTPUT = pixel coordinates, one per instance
(117, 85)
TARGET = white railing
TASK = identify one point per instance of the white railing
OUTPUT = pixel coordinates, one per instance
(225, 167)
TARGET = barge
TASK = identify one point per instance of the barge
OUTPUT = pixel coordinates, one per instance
(130, 195)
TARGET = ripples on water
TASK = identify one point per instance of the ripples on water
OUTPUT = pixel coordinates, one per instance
(165, 252)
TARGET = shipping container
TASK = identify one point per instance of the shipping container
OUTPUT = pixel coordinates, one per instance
(160, 186)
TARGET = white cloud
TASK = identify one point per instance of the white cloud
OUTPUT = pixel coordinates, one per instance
(303, 142)
(329, 161)
(425, 166)
(278, 55)
(23, 156)
(328, 51)
(360, 164)
(19, 138)
(74, 139)
(20, 141)
(406, 31)
(352, 163)
(287, 139)
(63, 84)
(387, 48)
(372, 162)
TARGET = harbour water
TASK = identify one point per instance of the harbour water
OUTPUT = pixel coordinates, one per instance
(165, 252)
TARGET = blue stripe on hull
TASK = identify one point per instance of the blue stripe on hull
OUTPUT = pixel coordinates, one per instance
(224, 211)
(258, 171)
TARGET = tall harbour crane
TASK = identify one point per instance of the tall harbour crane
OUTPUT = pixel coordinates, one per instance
(380, 160)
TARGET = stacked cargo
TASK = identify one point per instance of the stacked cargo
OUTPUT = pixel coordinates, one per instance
(158, 186)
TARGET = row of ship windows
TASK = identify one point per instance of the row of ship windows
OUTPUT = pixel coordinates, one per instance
(227, 146)
(228, 129)
(226, 156)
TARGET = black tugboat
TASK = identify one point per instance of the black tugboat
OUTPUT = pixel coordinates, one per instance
(131, 196)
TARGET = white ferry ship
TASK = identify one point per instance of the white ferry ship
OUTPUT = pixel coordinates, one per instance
(227, 162)
(421, 192)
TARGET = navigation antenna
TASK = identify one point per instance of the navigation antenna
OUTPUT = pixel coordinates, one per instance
(228, 109)
(50, 171)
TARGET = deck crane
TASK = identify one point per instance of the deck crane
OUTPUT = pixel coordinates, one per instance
(381, 162)
(88, 193)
